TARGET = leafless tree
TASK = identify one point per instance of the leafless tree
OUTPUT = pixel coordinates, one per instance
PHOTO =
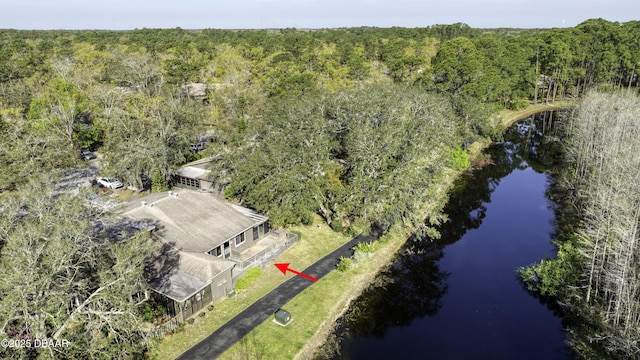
(63, 277)
(605, 150)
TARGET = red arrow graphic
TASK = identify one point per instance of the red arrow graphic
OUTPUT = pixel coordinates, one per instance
(285, 267)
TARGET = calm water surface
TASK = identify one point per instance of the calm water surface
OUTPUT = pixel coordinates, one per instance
(459, 297)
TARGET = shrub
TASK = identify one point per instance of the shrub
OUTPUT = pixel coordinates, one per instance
(365, 247)
(459, 158)
(359, 256)
(359, 226)
(152, 311)
(202, 314)
(250, 276)
(147, 313)
(190, 321)
(158, 182)
(210, 307)
(306, 219)
(336, 225)
(517, 104)
(344, 264)
(229, 193)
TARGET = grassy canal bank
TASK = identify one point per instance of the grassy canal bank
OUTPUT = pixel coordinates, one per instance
(316, 309)
(508, 117)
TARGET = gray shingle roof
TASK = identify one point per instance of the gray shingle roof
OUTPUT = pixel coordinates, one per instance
(193, 172)
(193, 221)
(178, 285)
(194, 272)
(202, 266)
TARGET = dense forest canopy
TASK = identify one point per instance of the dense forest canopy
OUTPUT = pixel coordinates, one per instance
(372, 153)
(66, 90)
(354, 124)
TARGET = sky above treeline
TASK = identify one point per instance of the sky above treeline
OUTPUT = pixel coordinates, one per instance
(260, 14)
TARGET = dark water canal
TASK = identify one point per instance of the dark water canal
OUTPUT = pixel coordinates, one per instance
(458, 297)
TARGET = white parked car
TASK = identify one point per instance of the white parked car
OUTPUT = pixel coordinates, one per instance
(110, 183)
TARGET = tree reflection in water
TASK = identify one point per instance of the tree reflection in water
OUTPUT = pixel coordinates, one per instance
(413, 286)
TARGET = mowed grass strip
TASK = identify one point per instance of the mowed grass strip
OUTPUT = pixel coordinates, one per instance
(315, 310)
(314, 307)
(508, 117)
(317, 241)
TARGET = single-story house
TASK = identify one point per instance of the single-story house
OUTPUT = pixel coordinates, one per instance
(208, 243)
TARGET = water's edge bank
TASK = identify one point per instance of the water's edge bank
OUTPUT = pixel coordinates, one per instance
(381, 259)
(384, 255)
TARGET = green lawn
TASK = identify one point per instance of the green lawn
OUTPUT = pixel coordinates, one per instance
(315, 310)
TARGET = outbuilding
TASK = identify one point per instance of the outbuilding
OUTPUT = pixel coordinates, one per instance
(282, 317)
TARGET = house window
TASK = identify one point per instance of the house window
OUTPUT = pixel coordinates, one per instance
(263, 228)
(187, 181)
(255, 233)
(239, 239)
(216, 252)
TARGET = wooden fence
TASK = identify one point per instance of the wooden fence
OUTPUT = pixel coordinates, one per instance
(162, 330)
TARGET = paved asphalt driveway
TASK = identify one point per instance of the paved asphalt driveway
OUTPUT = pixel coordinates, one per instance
(231, 332)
